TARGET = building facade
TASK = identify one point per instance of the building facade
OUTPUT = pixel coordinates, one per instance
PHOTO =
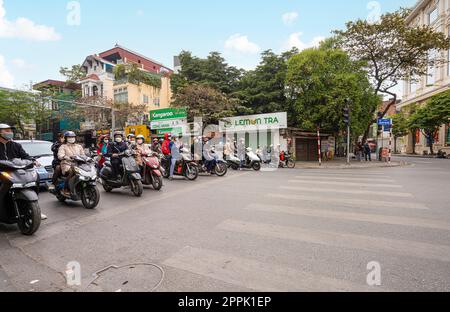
(100, 79)
(435, 13)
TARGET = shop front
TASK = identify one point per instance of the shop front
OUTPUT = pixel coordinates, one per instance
(305, 145)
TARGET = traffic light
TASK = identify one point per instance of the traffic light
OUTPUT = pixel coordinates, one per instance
(347, 115)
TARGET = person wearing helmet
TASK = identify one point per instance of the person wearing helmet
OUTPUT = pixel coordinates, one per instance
(166, 144)
(142, 149)
(113, 151)
(65, 153)
(131, 140)
(241, 150)
(156, 147)
(56, 163)
(102, 149)
(8, 148)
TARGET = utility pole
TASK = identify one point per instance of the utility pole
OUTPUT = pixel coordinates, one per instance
(347, 122)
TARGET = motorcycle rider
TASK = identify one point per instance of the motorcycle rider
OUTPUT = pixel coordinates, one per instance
(56, 163)
(65, 152)
(141, 149)
(175, 147)
(166, 144)
(114, 149)
(102, 150)
(131, 140)
(156, 147)
(228, 149)
(208, 156)
(241, 150)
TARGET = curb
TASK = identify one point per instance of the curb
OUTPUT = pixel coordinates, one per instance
(345, 166)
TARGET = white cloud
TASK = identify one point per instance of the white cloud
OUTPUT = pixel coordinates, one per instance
(6, 79)
(24, 28)
(240, 43)
(289, 18)
(294, 40)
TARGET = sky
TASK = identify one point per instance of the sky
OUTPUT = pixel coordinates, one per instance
(38, 37)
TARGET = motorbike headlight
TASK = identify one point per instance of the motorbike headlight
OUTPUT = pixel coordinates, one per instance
(6, 175)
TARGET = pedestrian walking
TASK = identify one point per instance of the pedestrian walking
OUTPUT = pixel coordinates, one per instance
(367, 152)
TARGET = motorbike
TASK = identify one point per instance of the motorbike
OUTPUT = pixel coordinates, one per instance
(151, 173)
(83, 185)
(286, 161)
(233, 162)
(130, 174)
(18, 195)
(220, 166)
(185, 167)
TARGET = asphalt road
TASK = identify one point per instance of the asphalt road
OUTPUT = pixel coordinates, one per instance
(289, 230)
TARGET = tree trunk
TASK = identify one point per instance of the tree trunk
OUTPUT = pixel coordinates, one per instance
(395, 145)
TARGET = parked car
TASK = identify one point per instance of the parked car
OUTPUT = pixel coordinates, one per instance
(42, 152)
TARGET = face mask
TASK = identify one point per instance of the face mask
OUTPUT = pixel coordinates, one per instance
(71, 140)
(106, 141)
(118, 140)
(8, 136)
(140, 142)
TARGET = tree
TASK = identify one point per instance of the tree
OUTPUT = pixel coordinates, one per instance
(430, 117)
(392, 51)
(20, 108)
(212, 71)
(400, 127)
(133, 74)
(206, 102)
(73, 74)
(263, 90)
(321, 81)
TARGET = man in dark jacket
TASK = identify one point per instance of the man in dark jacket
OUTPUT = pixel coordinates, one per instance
(9, 149)
(113, 151)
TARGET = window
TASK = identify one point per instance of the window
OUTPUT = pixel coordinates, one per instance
(431, 74)
(413, 87)
(145, 99)
(418, 136)
(433, 16)
(157, 102)
(448, 135)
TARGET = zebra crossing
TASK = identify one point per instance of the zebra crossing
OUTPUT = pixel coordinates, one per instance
(327, 197)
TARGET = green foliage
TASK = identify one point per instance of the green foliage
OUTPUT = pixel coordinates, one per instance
(204, 101)
(321, 82)
(133, 74)
(212, 71)
(19, 108)
(430, 117)
(392, 50)
(263, 90)
(401, 126)
(73, 74)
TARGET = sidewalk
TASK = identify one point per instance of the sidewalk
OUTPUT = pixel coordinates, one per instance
(5, 284)
(342, 164)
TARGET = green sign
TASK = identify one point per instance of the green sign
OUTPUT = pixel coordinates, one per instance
(171, 131)
(168, 113)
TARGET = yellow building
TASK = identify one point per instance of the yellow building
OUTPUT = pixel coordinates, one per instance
(435, 13)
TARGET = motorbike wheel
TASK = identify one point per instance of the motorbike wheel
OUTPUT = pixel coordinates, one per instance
(256, 166)
(234, 167)
(221, 169)
(90, 197)
(191, 172)
(157, 182)
(61, 198)
(291, 164)
(30, 217)
(137, 188)
(165, 172)
(106, 187)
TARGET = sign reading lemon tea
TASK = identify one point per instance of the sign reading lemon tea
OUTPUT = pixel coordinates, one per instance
(254, 122)
(168, 114)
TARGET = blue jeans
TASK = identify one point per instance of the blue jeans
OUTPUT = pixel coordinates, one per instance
(173, 162)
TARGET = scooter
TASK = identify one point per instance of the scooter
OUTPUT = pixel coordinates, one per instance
(233, 162)
(18, 195)
(130, 172)
(252, 160)
(83, 185)
(220, 168)
(151, 173)
(185, 167)
(286, 161)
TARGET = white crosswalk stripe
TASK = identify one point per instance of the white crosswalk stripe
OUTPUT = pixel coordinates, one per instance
(340, 240)
(340, 183)
(255, 275)
(352, 216)
(362, 203)
(346, 191)
(345, 179)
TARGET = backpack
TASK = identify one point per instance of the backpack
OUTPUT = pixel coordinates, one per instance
(165, 148)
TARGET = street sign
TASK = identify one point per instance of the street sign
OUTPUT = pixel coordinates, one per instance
(167, 124)
(254, 122)
(168, 114)
(385, 122)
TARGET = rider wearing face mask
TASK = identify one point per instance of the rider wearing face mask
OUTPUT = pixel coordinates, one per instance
(56, 163)
(9, 149)
(113, 151)
(65, 153)
(142, 149)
